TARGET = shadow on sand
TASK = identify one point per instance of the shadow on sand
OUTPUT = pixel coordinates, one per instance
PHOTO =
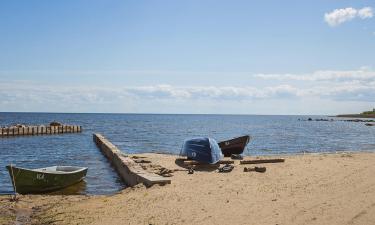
(202, 167)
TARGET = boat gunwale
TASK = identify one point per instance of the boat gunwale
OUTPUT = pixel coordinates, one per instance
(39, 170)
(234, 138)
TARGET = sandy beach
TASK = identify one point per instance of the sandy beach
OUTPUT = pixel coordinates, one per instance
(305, 189)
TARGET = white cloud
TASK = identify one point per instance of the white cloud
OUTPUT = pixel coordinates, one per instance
(339, 16)
(365, 13)
(363, 74)
(212, 92)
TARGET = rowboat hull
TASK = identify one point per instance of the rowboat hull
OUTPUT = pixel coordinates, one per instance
(234, 146)
(203, 149)
(45, 179)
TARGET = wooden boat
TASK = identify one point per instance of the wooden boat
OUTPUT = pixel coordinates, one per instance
(234, 146)
(45, 179)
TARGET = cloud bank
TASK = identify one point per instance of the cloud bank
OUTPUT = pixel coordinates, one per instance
(339, 16)
(363, 74)
(333, 86)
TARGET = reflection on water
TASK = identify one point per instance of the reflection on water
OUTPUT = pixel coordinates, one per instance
(137, 133)
(75, 189)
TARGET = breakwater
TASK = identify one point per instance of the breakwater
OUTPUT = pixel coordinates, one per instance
(38, 130)
(129, 171)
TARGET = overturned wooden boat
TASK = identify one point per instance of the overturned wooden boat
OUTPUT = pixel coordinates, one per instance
(202, 149)
(234, 146)
(45, 179)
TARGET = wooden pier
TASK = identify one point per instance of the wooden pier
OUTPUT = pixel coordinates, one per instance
(39, 130)
(129, 171)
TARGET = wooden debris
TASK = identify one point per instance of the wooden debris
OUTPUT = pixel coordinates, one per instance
(193, 162)
(256, 169)
(258, 161)
(138, 157)
(142, 161)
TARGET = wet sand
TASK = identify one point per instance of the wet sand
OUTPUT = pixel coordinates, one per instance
(305, 189)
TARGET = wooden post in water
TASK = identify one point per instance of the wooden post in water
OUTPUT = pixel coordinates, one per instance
(39, 130)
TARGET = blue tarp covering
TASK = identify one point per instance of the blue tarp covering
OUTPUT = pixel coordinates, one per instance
(202, 149)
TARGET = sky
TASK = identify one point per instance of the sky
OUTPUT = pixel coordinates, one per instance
(198, 56)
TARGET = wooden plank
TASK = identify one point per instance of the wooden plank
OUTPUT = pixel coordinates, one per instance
(193, 162)
(258, 161)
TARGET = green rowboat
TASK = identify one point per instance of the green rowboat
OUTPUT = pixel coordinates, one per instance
(45, 179)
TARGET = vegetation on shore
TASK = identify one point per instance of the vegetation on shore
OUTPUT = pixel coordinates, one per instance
(369, 112)
(366, 114)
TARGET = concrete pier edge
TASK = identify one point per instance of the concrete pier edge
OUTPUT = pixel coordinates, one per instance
(128, 170)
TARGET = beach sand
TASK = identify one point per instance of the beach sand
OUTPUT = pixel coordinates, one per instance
(305, 189)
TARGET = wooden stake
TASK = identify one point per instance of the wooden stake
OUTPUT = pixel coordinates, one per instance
(14, 183)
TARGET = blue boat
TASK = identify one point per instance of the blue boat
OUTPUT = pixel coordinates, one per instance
(202, 149)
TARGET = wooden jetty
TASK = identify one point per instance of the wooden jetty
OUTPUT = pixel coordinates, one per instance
(129, 171)
(39, 130)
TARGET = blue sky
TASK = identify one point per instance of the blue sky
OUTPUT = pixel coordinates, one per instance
(264, 57)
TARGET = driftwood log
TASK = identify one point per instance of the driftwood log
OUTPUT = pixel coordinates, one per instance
(258, 161)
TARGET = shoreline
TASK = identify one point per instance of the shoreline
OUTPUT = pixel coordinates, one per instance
(356, 115)
(321, 188)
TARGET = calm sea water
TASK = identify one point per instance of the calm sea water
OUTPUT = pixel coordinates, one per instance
(136, 133)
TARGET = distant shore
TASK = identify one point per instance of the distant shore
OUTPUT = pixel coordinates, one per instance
(305, 189)
(357, 115)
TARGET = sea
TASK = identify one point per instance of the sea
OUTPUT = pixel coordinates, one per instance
(165, 133)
